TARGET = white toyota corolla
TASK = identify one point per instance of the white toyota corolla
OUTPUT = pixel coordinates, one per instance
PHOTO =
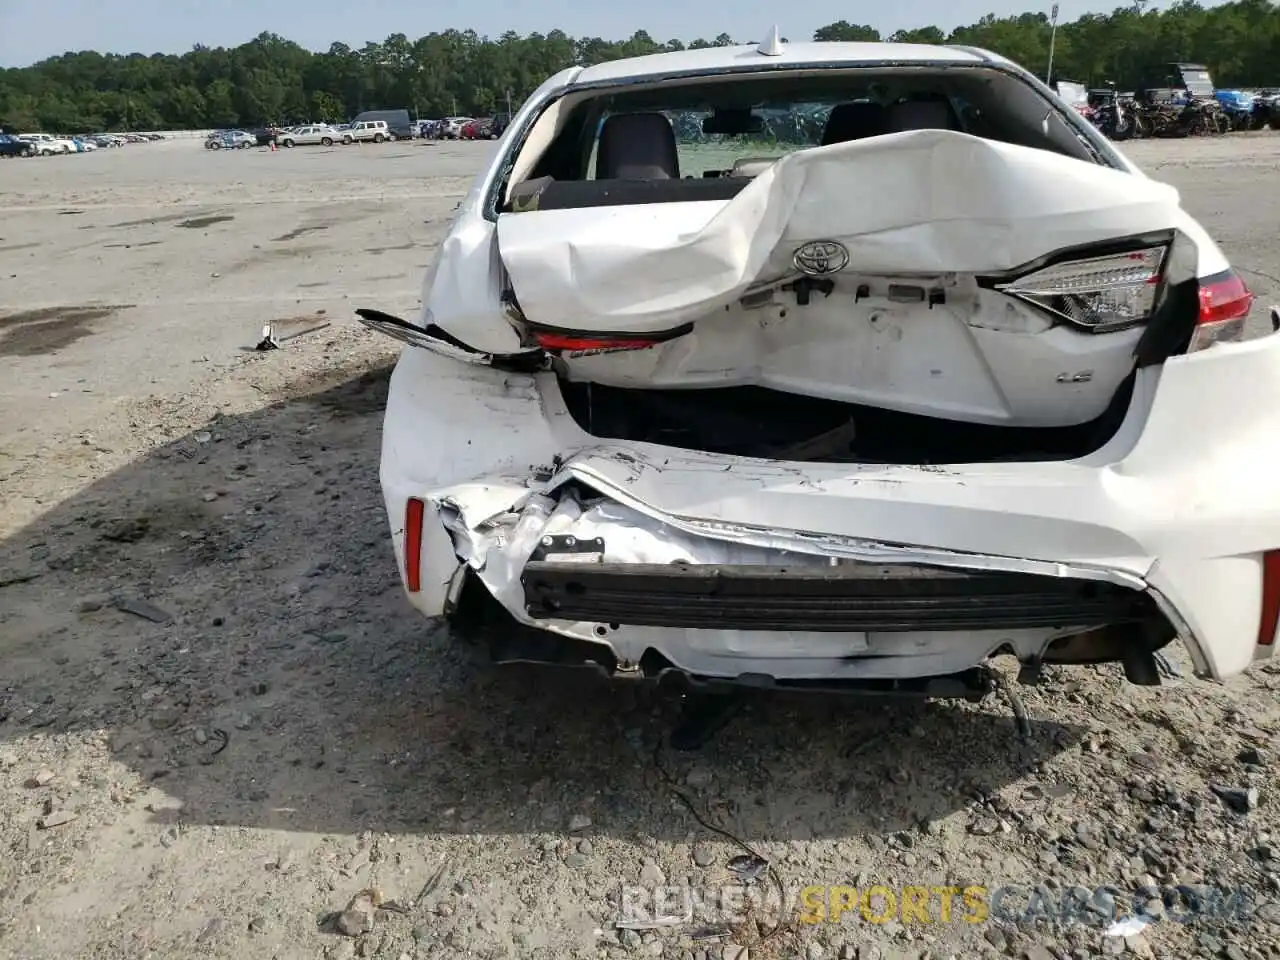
(832, 364)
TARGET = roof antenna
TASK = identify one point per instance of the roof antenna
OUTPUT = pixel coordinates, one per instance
(771, 45)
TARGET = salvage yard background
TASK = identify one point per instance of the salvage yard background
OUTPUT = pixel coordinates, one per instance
(219, 720)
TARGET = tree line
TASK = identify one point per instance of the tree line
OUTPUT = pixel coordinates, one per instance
(273, 80)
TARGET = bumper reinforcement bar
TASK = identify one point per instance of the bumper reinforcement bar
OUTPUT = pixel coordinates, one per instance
(844, 598)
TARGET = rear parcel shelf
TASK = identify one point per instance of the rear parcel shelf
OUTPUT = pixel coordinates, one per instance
(547, 193)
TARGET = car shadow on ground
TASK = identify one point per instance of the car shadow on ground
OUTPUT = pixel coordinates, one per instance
(294, 688)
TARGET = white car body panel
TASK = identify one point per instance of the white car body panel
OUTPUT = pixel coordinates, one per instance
(1139, 511)
(1180, 502)
(793, 55)
(650, 267)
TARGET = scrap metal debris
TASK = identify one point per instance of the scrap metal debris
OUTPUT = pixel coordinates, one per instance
(433, 881)
(140, 608)
(1021, 719)
(1166, 666)
(748, 868)
(654, 923)
(270, 341)
(357, 918)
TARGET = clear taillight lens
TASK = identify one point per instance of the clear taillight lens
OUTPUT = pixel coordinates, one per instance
(1098, 294)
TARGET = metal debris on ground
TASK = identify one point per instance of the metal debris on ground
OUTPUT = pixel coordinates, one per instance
(748, 868)
(1166, 666)
(140, 608)
(654, 923)
(270, 341)
(55, 818)
(433, 881)
(358, 916)
(1019, 708)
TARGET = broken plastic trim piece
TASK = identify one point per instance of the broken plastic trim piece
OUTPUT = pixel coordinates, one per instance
(432, 337)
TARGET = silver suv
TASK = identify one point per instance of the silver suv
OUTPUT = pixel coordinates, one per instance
(320, 133)
(365, 130)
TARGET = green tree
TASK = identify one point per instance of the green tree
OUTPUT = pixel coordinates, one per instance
(272, 79)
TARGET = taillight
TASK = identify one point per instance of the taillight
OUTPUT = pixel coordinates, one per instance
(1099, 294)
(1224, 307)
(577, 342)
(1270, 618)
(414, 512)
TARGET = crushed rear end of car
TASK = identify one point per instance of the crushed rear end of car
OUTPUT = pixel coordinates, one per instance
(863, 416)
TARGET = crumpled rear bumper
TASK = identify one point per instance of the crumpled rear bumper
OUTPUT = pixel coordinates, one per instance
(1180, 506)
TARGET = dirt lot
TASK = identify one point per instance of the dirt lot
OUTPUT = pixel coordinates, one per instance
(219, 721)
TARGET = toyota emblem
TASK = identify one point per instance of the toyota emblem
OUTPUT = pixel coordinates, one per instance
(817, 258)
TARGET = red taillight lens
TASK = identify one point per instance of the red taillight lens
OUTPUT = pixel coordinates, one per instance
(1270, 598)
(1225, 302)
(414, 512)
(562, 341)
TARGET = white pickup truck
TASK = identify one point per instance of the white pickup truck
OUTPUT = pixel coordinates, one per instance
(48, 146)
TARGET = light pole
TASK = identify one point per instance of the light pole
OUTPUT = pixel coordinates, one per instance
(1053, 36)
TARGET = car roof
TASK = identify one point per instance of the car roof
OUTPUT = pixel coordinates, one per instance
(809, 53)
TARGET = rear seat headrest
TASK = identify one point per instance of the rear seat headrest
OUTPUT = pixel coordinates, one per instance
(637, 146)
(934, 113)
(854, 121)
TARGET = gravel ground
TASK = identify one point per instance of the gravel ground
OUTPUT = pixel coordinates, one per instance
(220, 723)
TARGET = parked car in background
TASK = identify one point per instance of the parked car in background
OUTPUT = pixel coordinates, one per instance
(11, 146)
(451, 127)
(263, 136)
(47, 145)
(474, 130)
(374, 131)
(320, 133)
(399, 126)
(84, 144)
(931, 385)
(230, 140)
(488, 128)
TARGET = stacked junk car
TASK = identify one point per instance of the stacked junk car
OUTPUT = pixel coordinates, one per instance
(1184, 104)
(934, 382)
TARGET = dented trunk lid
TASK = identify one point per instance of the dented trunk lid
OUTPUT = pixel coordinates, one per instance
(924, 202)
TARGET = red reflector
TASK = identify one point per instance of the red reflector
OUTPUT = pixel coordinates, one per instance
(413, 513)
(1270, 598)
(1224, 297)
(561, 341)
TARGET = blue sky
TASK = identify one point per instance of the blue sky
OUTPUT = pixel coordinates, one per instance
(31, 30)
